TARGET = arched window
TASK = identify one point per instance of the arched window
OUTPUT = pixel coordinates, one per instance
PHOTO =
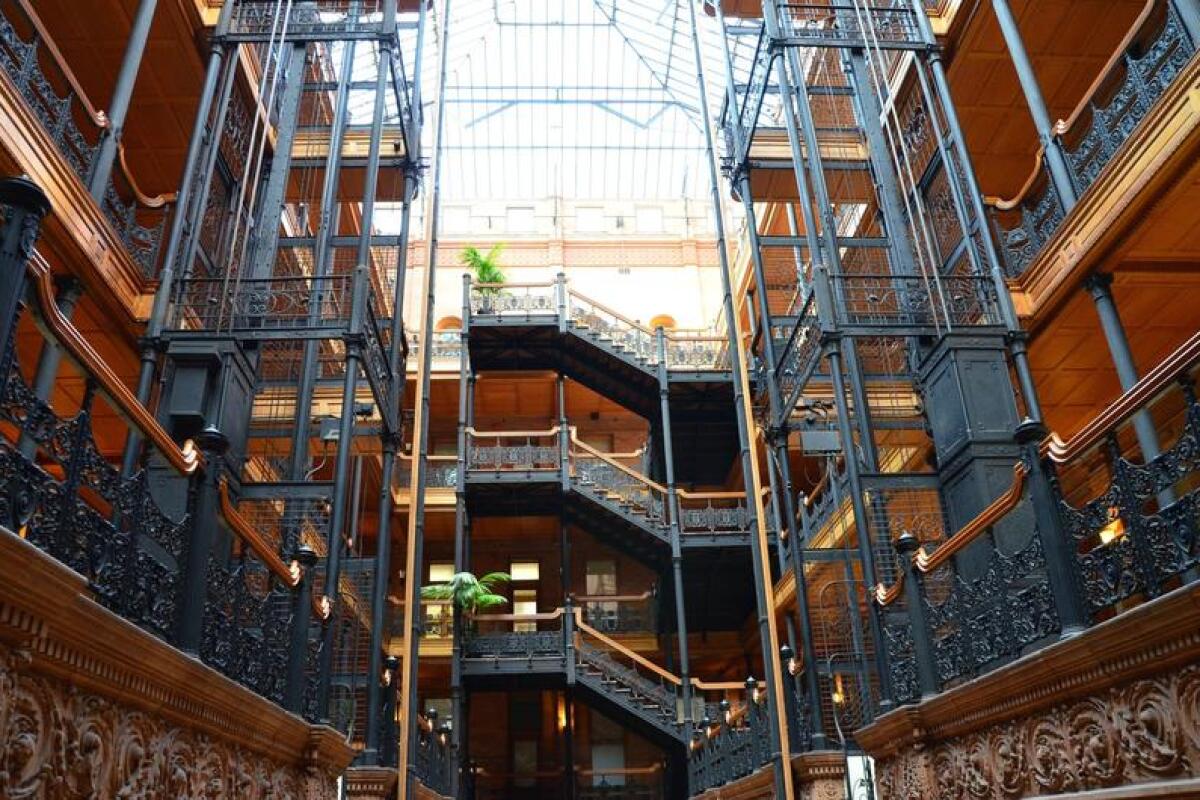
(666, 321)
(448, 324)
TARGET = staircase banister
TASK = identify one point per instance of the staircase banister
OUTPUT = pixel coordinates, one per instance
(544, 616)
(686, 495)
(248, 535)
(611, 598)
(640, 660)
(1123, 407)
(609, 460)
(185, 459)
(607, 310)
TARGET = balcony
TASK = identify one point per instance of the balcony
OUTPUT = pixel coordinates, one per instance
(35, 72)
(1153, 54)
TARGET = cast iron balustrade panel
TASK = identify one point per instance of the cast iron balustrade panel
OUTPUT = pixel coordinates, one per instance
(1144, 80)
(309, 20)
(1157, 547)
(509, 458)
(750, 102)
(131, 558)
(977, 622)
(431, 761)
(287, 305)
(799, 357)
(886, 24)
(1111, 116)
(514, 644)
(901, 656)
(22, 58)
(247, 625)
(731, 752)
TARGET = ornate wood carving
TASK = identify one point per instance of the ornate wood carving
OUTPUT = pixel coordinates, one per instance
(59, 742)
(1145, 730)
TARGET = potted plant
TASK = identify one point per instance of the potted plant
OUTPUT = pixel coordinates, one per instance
(469, 594)
(486, 271)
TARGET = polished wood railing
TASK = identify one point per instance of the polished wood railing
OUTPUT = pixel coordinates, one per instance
(185, 459)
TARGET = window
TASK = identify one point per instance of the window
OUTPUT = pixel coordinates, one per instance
(608, 752)
(649, 219)
(525, 571)
(524, 602)
(589, 219)
(441, 572)
(519, 219)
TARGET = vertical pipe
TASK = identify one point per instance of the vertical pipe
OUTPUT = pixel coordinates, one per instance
(1099, 286)
(118, 106)
(764, 594)
(383, 558)
(461, 532)
(337, 524)
(676, 533)
(1056, 162)
(416, 521)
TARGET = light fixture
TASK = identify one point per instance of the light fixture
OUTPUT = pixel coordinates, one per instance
(1114, 530)
(839, 694)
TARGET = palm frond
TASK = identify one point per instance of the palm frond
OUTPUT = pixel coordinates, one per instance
(492, 578)
(490, 600)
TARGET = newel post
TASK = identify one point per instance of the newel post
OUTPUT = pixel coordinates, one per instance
(906, 547)
(205, 518)
(301, 621)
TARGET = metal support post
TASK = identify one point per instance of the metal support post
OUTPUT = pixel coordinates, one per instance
(213, 445)
(1099, 286)
(906, 547)
(118, 106)
(383, 560)
(676, 534)
(301, 621)
(1056, 161)
(28, 206)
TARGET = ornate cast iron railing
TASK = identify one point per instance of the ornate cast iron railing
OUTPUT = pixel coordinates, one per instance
(314, 20)
(731, 744)
(554, 302)
(1155, 50)
(608, 481)
(513, 451)
(37, 70)
(153, 555)
(431, 753)
(917, 301)
(285, 304)
(1084, 532)
(863, 23)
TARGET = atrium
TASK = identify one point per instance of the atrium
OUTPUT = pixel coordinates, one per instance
(641, 400)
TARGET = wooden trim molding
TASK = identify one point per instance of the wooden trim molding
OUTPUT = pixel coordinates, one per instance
(84, 686)
(1111, 707)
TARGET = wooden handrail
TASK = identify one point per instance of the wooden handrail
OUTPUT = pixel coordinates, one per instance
(1124, 406)
(1064, 125)
(926, 562)
(544, 616)
(508, 285)
(157, 201)
(289, 575)
(511, 434)
(99, 118)
(640, 660)
(608, 460)
(612, 598)
(718, 686)
(653, 769)
(686, 495)
(321, 607)
(185, 459)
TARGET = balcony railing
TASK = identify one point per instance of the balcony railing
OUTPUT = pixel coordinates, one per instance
(554, 302)
(732, 744)
(1086, 531)
(231, 598)
(432, 761)
(1155, 50)
(38, 72)
(620, 614)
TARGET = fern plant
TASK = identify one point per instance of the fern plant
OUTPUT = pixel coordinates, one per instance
(469, 594)
(484, 267)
